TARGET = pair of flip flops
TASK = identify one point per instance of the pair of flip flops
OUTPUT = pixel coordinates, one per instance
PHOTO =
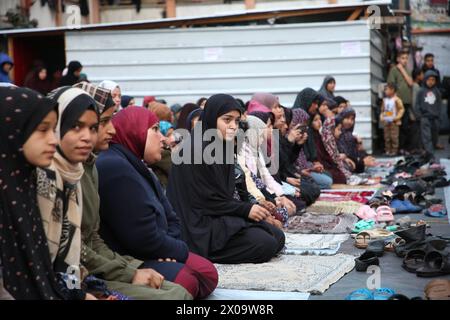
(366, 294)
(436, 211)
(383, 213)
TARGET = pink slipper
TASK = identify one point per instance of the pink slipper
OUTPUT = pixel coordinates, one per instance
(366, 213)
(384, 214)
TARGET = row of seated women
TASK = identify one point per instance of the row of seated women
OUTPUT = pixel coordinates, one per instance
(78, 191)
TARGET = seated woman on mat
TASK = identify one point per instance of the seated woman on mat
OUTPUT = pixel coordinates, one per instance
(136, 217)
(214, 224)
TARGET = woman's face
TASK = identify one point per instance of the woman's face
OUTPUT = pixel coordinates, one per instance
(313, 108)
(348, 122)
(281, 125)
(42, 74)
(323, 107)
(228, 124)
(40, 147)
(316, 123)
(340, 108)
(153, 145)
(116, 96)
(78, 143)
(131, 103)
(106, 130)
(331, 85)
(277, 110)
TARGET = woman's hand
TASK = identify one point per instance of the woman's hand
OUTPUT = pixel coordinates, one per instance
(268, 205)
(294, 181)
(90, 297)
(350, 163)
(274, 222)
(258, 213)
(306, 172)
(318, 167)
(148, 277)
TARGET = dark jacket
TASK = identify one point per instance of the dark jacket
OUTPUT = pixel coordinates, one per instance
(136, 217)
(96, 256)
(429, 100)
(4, 58)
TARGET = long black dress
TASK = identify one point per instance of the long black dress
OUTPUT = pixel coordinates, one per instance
(214, 224)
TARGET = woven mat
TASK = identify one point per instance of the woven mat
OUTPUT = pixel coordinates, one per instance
(319, 224)
(314, 244)
(336, 208)
(289, 273)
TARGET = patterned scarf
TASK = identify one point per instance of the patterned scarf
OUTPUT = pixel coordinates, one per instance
(60, 203)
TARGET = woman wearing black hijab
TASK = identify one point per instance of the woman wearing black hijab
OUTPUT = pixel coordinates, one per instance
(214, 224)
(27, 121)
(73, 74)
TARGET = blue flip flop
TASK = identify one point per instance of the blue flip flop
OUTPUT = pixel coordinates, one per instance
(360, 294)
(383, 294)
(436, 211)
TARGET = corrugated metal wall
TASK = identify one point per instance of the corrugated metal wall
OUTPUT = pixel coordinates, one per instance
(181, 65)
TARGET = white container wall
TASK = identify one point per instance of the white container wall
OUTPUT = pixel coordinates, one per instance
(182, 65)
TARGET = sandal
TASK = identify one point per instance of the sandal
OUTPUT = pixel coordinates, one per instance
(383, 294)
(365, 212)
(362, 240)
(436, 263)
(365, 260)
(436, 211)
(363, 225)
(414, 260)
(438, 289)
(390, 246)
(360, 294)
(384, 214)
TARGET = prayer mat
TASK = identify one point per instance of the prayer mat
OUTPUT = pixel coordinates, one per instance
(232, 294)
(289, 273)
(335, 196)
(361, 187)
(319, 224)
(314, 244)
(336, 208)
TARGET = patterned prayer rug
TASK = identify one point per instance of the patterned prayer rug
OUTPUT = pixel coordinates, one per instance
(313, 274)
(333, 207)
(314, 244)
(323, 223)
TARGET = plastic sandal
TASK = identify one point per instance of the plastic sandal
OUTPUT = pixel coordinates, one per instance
(383, 294)
(384, 214)
(391, 244)
(365, 260)
(414, 260)
(365, 212)
(436, 211)
(362, 240)
(438, 289)
(360, 294)
(363, 225)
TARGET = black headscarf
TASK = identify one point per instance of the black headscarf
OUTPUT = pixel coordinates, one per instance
(70, 78)
(28, 272)
(196, 113)
(202, 194)
(125, 101)
(184, 113)
(305, 98)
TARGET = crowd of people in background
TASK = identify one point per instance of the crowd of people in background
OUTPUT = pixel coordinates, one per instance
(88, 180)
